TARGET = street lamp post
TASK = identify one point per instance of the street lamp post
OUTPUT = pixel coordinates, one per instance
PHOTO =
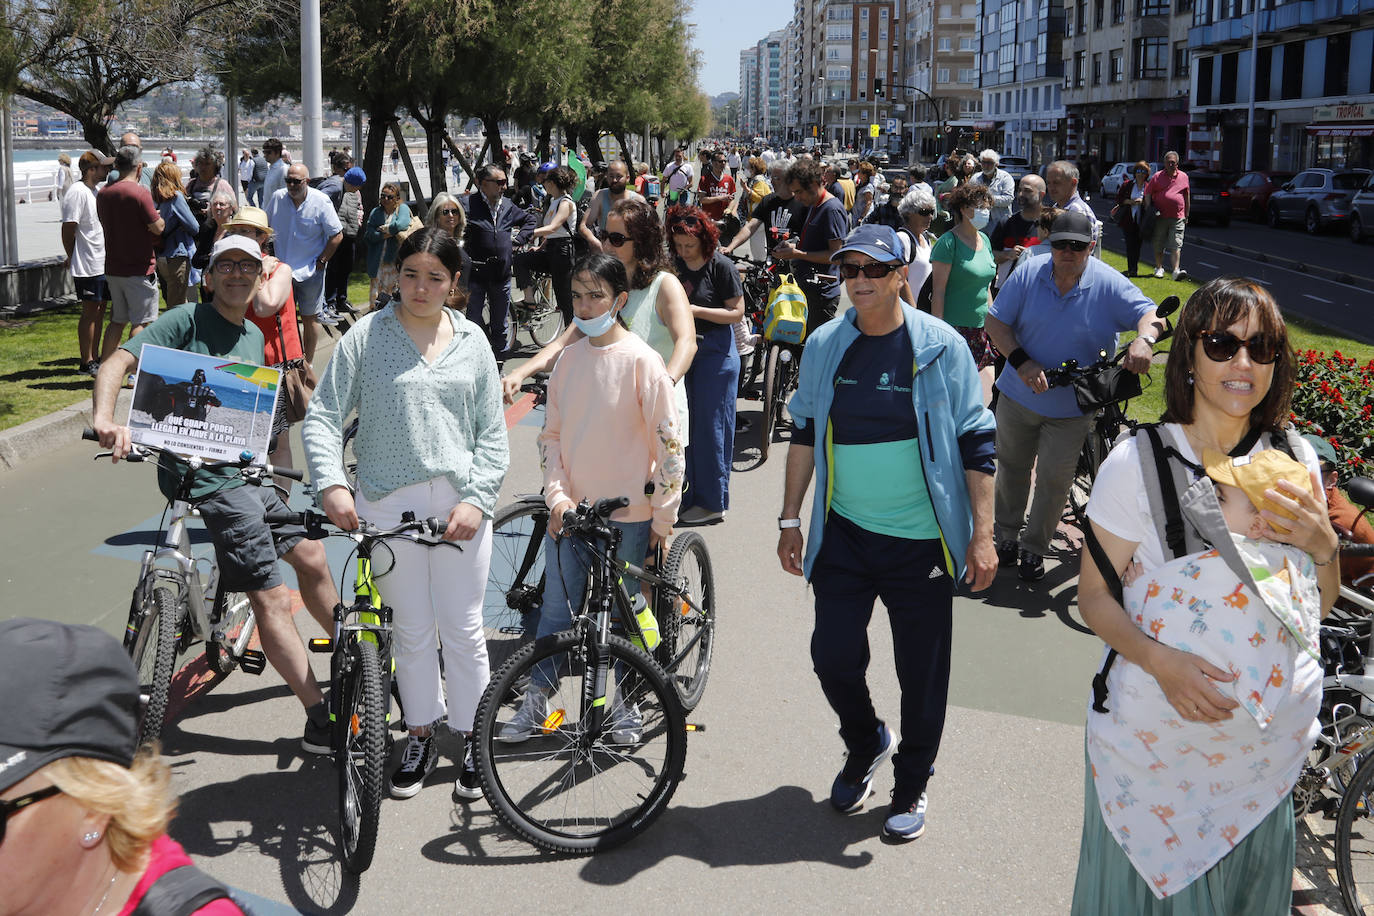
(926, 95)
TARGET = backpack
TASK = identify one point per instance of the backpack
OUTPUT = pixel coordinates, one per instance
(180, 892)
(653, 189)
(1187, 518)
(784, 318)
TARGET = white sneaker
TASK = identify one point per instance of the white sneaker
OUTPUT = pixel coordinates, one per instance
(624, 724)
(529, 721)
(327, 316)
(1180, 274)
(1159, 273)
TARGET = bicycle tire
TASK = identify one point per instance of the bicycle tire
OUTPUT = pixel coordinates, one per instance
(771, 396)
(685, 631)
(1085, 472)
(350, 460)
(235, 619)
(1355, 841)
(154, 655)
(749, 368)
(545, 320)
(515, 578)
(360, 753)
(564, 791)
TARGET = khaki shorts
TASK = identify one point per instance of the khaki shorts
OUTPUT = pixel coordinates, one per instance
(133, 300)
(1168, 234)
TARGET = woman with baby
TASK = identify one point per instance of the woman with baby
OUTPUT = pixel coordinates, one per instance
(1211, 706)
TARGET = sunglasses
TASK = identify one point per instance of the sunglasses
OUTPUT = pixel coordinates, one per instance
(15, 805)
(389, 197)
(1069, 245)
(1223, 346)
(246, 267)
(295, 181)
(449, 211)
(930, 212)
(873, 270)
(616, 238)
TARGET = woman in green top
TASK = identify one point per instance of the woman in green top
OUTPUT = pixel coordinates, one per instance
(431, 440)
(962, 271)
(657, 310)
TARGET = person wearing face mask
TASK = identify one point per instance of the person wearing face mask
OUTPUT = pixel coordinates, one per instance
(962, 271)
(610, 430)
(1000, 184)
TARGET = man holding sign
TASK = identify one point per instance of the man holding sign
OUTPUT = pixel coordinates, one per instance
(246, 547)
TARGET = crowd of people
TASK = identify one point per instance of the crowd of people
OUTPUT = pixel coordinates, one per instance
(939, 451)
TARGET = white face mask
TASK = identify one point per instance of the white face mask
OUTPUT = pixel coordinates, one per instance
(595, 327)
(980, 218)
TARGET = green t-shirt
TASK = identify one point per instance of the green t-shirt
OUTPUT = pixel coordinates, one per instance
(199, 328)
(970, 274)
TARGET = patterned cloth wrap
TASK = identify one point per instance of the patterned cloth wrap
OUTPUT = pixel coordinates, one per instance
(1179, 795)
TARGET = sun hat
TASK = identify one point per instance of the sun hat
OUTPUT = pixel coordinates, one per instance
(249, 218)
(1256, 473)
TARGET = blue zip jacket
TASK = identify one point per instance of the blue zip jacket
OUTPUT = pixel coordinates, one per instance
(957, 431)
(179, 229)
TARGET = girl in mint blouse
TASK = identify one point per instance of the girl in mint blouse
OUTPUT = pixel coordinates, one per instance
(431, 440)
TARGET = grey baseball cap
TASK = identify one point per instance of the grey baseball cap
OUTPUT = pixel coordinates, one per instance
(72, 693)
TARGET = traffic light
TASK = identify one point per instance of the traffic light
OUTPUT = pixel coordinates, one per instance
(878, 87)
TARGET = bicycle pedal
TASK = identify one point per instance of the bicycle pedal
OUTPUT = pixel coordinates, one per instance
(695, 727)
(253, 661)
(322, 644)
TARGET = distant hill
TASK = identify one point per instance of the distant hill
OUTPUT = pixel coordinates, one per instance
(725, 98)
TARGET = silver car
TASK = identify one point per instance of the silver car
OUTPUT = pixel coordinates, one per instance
(1119, 175)
(1362, 211)
(1316, 197)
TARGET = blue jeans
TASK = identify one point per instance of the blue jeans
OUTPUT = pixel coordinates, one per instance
(566, 565)
(712, 383)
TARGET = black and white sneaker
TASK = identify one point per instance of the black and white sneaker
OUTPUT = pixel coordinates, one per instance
(416, 763)
(467, 786)
(319, 731)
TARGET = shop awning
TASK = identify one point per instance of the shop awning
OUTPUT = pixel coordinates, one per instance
(1358, 130)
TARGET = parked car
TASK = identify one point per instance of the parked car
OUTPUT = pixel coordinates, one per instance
(1120, 173)
(878, 157)
(1316, 197)
(1362, 211)
(1250, 193)
(1210, 198)
(1015, 166)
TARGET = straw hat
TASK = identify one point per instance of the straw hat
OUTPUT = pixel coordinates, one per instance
(249, 218)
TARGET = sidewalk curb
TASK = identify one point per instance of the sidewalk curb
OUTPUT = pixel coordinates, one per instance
(36, 438)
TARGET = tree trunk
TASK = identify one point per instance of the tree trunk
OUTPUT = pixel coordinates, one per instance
(461, 159)
(591, 142)
(492, 130)
(373, 154)
(421, 208)
(434, 152)
(545, 135)
(97, 135)
(625, 149)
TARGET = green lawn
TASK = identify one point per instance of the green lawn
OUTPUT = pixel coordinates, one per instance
(38, 361)
(1304, 334)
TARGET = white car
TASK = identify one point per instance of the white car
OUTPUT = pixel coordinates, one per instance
(1120, 173)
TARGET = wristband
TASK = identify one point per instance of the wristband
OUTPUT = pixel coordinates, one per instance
(1018, 357)
(785, 523)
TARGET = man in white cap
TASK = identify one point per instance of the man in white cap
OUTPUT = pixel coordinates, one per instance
(246, 546)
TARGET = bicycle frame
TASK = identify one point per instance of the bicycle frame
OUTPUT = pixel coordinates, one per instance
(372, 624)
(1361, 684)
(174, 564)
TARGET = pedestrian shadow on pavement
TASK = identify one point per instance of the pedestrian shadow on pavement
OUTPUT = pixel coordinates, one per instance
(288, 817)
(1056, 594)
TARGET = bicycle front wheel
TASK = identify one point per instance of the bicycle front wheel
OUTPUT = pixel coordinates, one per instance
(1085, 472)
(360, 752)
(154, 655)
(545, 320)
(515, 578)
(688, 634)
(1355, 841)
(590, 772)
(350, 460)
(772, 397)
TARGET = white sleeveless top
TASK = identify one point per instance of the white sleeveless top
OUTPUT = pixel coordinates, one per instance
(641, 317)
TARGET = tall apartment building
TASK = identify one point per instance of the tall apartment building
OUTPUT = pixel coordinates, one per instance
(1310, 76)
(1126, 80)
(747, 119)
(1023, 78)
(940, 52)
(762, 70)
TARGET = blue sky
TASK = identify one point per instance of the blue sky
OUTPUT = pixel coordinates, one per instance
(724, 28)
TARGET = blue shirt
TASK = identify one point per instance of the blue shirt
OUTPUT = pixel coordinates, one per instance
(276, 178)
(825, 221)
(1052, 328)
(302, 232)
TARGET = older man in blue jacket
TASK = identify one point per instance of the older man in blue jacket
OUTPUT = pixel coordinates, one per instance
(903, 509)
(494, 224)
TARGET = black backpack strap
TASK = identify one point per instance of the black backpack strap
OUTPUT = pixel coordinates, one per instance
(180, 892)
(1109, 576)
(1173, 518)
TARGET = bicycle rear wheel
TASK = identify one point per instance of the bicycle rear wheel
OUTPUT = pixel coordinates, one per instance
(234, 624)
(360, 753)
(688, 634)
(515, 578)
(772, 395)
(568, 789)
(350, 460)
(154, 655)
(545, 320)
(1355, 841)
(1089, 460)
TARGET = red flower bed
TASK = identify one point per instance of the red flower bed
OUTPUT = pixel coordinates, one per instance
(1332, 398)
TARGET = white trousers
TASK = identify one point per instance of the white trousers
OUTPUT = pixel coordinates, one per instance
(434, 591)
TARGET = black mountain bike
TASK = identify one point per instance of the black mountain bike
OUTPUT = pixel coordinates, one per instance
(611, 737)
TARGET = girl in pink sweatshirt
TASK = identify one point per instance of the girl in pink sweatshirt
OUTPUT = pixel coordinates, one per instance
(610, 429)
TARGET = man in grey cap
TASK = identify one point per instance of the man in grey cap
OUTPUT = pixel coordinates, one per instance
(1055, 307)
(246, 547)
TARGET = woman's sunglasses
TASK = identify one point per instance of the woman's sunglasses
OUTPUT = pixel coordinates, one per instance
(1223, 346)
(683, 226)
(389, 197)
(449, 211)
(616, 238)
(1069, 244)
(925, 213)
(15, 805)
(873, 270)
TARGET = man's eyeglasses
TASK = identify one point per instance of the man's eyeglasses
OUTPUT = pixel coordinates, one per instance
(1069, 245)
(295, 181)
(247, 268)
(1223, 346)
(493, 181)
(449, 211)
(15, 805)
(873, 270)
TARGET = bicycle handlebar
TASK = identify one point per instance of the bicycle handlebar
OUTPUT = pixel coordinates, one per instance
(427, 531)
(243, 462)
(585, 517)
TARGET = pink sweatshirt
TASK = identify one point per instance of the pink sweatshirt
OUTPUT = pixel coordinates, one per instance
(610, 427)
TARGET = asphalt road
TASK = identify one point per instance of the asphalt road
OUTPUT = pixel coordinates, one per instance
(1290, 255)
